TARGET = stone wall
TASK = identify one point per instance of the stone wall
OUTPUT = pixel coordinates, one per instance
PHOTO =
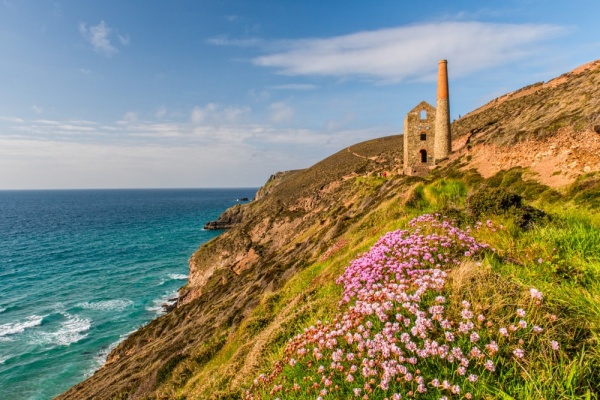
(419, 139)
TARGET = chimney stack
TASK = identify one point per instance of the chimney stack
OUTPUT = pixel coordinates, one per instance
(443, 141)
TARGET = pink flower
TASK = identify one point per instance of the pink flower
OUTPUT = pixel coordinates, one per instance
(535, 294)
(555, 345)
(519, 353)
(492, 347)
(522, 324)
(520, 312)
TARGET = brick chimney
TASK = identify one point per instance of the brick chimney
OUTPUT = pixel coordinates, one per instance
(443, 141)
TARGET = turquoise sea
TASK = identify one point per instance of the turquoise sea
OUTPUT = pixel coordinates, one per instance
(82, 269)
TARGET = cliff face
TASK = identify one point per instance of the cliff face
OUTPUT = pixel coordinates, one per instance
(302, 217)
(553, 128)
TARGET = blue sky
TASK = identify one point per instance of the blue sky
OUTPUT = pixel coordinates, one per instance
(133, 94)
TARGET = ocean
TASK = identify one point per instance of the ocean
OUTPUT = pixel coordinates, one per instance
(82, 269)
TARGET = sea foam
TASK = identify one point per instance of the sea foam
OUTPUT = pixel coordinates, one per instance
(173, 277)
(107, 305)
(19, 327)
(72, 330)
(158, 305)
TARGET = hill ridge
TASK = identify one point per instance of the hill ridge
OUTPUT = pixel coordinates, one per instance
(306, 224)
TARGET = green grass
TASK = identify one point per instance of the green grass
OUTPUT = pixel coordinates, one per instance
(559, 255)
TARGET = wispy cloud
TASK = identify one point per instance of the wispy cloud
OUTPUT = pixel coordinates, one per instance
(216, 114)
(13, 120)
(281, 112)
(100, 37)
(409, 52)
(224, 40)
(295, 86)
(214, 145)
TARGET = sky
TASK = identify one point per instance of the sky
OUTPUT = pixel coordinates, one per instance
(224, 93)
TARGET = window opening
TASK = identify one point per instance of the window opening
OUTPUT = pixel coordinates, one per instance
(423, 114)
(423, 156)
(423, 136)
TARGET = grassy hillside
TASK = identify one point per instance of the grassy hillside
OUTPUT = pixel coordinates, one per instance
(270, 303)
(555, 252)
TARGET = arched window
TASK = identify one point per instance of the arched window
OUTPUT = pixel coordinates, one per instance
(423, 114)
(423, 156)
(423, 136)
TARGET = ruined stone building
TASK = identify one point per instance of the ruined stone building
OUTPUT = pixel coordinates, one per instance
(427, 130)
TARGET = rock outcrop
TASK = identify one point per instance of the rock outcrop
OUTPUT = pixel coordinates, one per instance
(301, 217)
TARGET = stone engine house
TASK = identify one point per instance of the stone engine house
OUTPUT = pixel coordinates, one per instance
(427, 136)
(419, 136)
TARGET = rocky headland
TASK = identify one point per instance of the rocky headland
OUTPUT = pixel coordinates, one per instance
(230, 317)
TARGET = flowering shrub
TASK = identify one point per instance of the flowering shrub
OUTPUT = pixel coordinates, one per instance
(400, 334)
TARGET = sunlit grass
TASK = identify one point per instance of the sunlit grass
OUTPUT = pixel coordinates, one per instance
(558, 255)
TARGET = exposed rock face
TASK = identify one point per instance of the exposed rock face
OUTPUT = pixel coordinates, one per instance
(228, 219)
(234, 215)
(547, 127)
(300, 217)
(272, 183)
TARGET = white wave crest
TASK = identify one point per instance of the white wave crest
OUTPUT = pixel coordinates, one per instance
(2, 309)
(158, 305)
(107, 305)
(19, 327)
(70, 331)
(3, 359)
(177, 277)
(173, 277)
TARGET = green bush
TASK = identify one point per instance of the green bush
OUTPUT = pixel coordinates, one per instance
(499, 201)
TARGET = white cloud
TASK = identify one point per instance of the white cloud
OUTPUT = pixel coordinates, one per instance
(14, 120)
(129, 117)
(216, 146)
(123, 39)
(99, 36)
(295, 86)
(410, 52)
(215, 114)
(224, 40)
(161, 112)
(281, 112)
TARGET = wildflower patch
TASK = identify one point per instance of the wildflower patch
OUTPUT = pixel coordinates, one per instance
(401, 333)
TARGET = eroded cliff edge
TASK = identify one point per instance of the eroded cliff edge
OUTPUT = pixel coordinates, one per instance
(305, 214)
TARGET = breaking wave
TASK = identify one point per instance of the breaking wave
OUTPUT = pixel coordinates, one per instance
(19, 327)
(159, 305)
(70, 331)
(107, 305)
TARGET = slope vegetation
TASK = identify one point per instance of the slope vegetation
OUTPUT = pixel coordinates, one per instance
(273, 274)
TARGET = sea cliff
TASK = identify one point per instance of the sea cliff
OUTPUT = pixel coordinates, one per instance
(273, 270)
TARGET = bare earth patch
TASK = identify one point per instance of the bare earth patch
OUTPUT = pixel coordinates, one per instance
(556, 161)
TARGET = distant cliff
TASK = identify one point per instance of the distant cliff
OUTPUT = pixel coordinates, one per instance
(228, 314)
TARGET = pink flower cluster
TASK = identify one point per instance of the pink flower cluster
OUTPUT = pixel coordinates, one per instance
(397, 337)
